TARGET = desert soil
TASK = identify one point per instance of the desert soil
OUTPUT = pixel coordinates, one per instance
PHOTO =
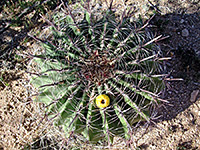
(23, 123)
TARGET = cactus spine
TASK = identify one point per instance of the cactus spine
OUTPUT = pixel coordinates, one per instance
(99, 77)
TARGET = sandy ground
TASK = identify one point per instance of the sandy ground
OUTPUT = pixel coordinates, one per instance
(24, 125)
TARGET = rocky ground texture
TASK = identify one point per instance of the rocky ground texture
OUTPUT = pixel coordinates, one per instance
(23, 123)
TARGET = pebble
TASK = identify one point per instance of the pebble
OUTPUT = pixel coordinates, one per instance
(28, 44)
(185, 32)
(182, 20)
(194, 95)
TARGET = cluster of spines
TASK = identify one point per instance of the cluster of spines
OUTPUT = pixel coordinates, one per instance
(132, 86)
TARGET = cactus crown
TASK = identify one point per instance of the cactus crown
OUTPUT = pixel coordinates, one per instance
(98, 76)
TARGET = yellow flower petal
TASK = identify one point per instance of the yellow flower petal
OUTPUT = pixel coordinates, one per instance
(102, 101)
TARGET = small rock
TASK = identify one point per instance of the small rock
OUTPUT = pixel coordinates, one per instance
(185, 32)
(182, 20)
(28, 44)
(194, 95)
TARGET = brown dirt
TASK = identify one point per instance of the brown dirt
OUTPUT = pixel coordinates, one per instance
(177, 128)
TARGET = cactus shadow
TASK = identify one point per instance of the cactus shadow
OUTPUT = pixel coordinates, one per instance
(14, 28)
(183, 48)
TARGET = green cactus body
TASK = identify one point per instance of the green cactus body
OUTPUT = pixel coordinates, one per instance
(91, 58)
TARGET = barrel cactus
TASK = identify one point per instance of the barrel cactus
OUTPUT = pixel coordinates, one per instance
(98, 76)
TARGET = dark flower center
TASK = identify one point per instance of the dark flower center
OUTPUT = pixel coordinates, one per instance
(102, 101)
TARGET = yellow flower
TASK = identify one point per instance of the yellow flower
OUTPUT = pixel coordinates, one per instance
(102, 101)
